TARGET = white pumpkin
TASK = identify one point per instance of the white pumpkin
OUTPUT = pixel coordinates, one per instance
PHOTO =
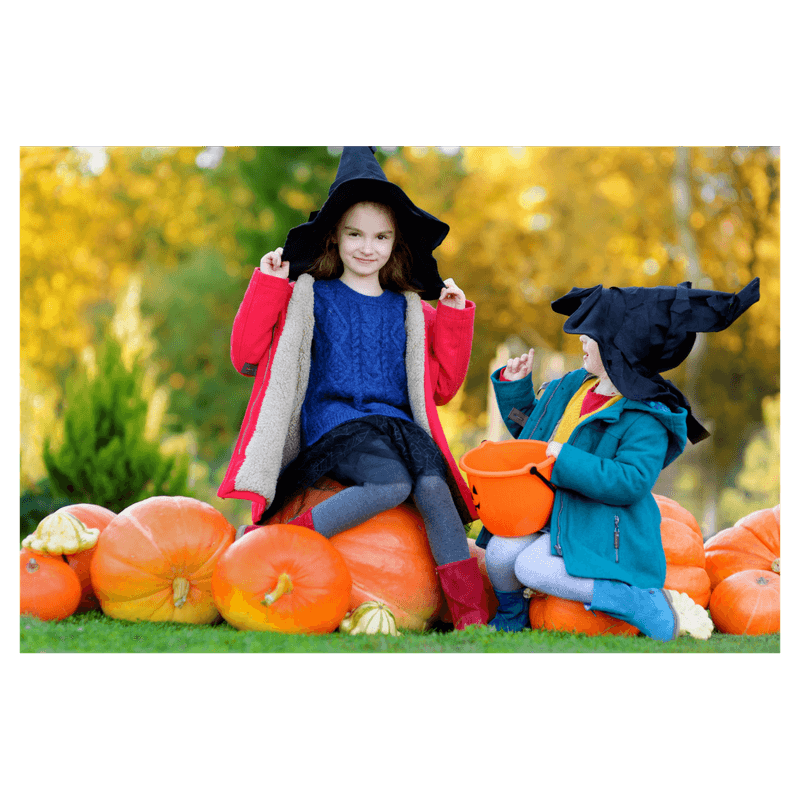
(371, 617)
(61, 534)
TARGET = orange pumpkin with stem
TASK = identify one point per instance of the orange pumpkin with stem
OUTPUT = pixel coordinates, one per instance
(754, 542)
(748, 602)
(154, 561)
(48, 588)
(682, 541)
(282, 578)
(72, 533)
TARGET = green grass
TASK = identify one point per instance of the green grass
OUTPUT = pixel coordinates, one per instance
(93, 632)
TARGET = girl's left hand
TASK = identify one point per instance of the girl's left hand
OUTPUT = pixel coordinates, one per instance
(553, 449)
(452, 296)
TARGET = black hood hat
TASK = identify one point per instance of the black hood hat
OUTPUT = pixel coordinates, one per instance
(644, 331)
(361, 178)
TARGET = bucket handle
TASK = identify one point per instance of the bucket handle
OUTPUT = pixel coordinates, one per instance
(535, 472)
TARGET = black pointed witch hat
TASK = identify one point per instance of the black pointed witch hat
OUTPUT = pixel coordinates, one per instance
(360, 178)
(642, 332)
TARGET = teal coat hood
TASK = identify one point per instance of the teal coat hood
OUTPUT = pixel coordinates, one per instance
(605, 522)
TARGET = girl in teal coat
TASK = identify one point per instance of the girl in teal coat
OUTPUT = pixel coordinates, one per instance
(612, 427)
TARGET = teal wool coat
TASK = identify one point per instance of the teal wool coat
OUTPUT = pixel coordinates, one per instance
(605, 522)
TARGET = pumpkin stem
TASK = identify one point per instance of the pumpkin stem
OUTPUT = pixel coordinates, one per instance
(776, 565)
(32, 566)
(284, 586)
(180, 590)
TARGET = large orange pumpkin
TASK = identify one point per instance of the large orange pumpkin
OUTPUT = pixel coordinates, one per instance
(390, 560)
(154, 561)
(282, 578)
(682, 541)
(748, 602)
(754, 542)
(388, 556)
(48, 588)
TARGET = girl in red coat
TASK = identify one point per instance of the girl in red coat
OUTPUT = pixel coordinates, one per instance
(349, 365)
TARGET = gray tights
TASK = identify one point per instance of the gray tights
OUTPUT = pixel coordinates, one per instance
(527, 561)
(356, 504)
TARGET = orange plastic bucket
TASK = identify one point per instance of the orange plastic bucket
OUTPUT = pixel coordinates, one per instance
(510, 484)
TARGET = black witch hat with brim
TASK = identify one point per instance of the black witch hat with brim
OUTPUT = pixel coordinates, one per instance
(360, 178)
(642, 332)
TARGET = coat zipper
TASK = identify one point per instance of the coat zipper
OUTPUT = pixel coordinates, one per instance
(558, 525)
(616, 538)
(547, 403)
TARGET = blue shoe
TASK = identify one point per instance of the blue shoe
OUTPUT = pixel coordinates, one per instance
(649, 610)
(512, 614)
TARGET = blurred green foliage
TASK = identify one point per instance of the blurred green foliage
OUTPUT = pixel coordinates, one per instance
(105, 456)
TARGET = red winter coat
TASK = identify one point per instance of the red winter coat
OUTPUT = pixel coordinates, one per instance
(271, 342)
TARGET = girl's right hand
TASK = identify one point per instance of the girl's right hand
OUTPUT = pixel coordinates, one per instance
(519, 367)
(272, 264)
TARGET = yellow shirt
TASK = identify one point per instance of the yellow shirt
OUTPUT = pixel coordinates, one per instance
(572, 413)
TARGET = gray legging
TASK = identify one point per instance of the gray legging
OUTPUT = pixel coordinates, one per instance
(527, 561)
(389, 485)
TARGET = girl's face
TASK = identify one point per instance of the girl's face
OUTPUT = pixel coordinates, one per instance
(365, 236)
(592, 362)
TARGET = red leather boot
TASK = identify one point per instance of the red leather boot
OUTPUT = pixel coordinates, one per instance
(463, 589)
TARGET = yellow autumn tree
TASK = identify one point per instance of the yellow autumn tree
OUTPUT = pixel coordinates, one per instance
(82, 235)
(528, 224)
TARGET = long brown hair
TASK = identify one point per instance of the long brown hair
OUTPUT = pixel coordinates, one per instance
(395, 274)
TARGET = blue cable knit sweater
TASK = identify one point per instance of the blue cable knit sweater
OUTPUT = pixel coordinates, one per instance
(357, 359)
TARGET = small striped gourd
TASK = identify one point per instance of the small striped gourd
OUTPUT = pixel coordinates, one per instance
(371, 617)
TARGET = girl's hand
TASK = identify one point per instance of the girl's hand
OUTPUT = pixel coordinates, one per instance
(271, 264)
(519, 367)
(452, 296)
(553, 449)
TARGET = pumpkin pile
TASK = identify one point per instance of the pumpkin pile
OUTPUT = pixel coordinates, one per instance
(743, 564)
(152, 562)
(66, 538)
(175, 559)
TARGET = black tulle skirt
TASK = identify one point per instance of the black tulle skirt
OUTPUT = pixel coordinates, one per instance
(352, 451)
